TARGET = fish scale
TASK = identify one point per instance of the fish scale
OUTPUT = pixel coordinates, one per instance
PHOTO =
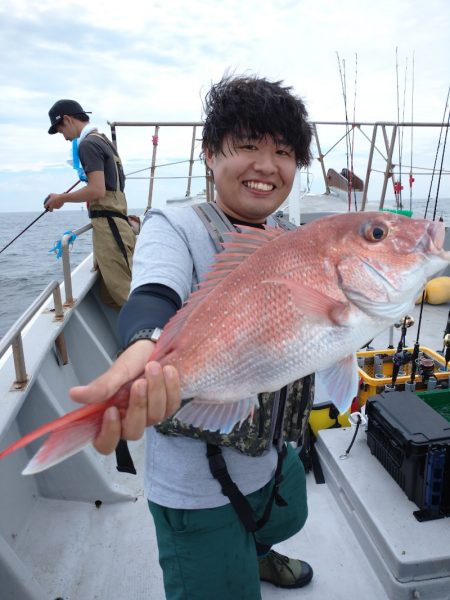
(275, 307)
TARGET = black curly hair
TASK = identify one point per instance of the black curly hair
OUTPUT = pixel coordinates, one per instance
(253, 107)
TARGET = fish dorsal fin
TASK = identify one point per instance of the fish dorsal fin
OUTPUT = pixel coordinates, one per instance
(237, 248)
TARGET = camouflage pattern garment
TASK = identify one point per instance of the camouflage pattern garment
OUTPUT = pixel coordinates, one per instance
(255, 436)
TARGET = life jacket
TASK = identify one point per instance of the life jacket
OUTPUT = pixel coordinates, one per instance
(281, 415)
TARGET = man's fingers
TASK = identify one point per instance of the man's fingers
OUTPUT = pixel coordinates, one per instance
(104, 386)
(172, 390)
(135, 420)
(109, 435)
(156, 393)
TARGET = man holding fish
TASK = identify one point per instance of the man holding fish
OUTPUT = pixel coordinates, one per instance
(237, 353)
(238, 349)
(275, 307)
(256, 134)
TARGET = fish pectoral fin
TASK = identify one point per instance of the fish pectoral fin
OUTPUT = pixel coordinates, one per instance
(216, 416)
(64, 442)
(341, 382)
(314, 302)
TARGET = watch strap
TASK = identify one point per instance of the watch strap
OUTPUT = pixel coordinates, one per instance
(153, 334)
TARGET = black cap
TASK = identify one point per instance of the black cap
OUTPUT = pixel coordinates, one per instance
(61, 108)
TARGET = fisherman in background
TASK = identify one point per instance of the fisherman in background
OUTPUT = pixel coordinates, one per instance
(113, 237)
(217, 516)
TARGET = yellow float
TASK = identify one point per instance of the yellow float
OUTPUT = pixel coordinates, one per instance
(437, 291)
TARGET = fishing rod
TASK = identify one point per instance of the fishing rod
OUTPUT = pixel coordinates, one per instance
(411, 177)
(36, 219)
(437, 155)
(410, 385)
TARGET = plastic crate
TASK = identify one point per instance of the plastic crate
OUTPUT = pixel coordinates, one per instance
(412, 442)
(439, 400)
(373, 382)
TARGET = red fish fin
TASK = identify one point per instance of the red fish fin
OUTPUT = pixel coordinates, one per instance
(341, 382)
(84, 412)
(237, 248)
(313, 302)
(216, 416)
(64, 442)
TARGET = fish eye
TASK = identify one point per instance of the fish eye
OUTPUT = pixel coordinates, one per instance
(375, 232)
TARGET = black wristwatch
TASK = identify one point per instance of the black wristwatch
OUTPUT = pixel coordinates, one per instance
(152, 334)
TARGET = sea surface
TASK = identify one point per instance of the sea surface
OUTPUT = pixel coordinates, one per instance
(27, 266)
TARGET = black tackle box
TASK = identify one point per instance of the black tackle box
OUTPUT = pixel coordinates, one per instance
(412, 442)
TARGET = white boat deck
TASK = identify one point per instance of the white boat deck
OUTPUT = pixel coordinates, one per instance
(76, 551)
(361, 537)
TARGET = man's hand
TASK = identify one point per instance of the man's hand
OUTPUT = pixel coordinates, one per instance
(54, 201)
(153, 398)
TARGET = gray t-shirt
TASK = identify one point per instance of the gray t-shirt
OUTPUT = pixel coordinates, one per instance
(175, 249)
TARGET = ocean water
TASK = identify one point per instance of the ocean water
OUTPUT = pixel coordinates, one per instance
(26, 266)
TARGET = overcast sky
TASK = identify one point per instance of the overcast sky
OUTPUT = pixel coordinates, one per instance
(150, 60)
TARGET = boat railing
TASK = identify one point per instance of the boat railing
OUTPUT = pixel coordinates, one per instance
(156, 126)
(14, 336)
(67, 272)
(384, 149)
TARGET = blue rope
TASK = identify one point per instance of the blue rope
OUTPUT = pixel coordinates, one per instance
(57, 246)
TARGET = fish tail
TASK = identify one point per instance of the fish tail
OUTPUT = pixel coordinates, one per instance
(64, 442)
(86, 417)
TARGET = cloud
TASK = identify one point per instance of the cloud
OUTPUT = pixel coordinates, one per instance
(149, 61)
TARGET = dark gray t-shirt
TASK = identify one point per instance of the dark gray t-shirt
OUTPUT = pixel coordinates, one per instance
(96, 154)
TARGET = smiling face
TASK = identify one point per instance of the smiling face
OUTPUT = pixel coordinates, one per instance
(252, 177)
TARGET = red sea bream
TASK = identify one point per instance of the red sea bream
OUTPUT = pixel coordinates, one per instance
(275, 307)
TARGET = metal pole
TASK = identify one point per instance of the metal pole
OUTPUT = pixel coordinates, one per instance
(152, 168)
(320, 158)
(191, 162)
(59, 310)
(388, 171)
(19, 362)
(113, 135)
(369, 166)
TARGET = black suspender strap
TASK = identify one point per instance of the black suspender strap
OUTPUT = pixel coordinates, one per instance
(239, 502)
(110, 215)
(237, 499)
(95, 214)
(123, 458)
(275, 495)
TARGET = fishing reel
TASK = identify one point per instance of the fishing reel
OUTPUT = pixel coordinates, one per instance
(446, 349)
(425, 367)
(401, 358)
(405, 323)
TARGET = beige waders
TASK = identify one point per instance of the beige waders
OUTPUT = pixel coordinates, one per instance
(113, 242)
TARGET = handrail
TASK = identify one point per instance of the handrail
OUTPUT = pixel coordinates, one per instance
(377, 126)
(13, 337)
(66, 262)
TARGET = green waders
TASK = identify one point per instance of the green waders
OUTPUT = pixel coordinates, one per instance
(208, 554)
